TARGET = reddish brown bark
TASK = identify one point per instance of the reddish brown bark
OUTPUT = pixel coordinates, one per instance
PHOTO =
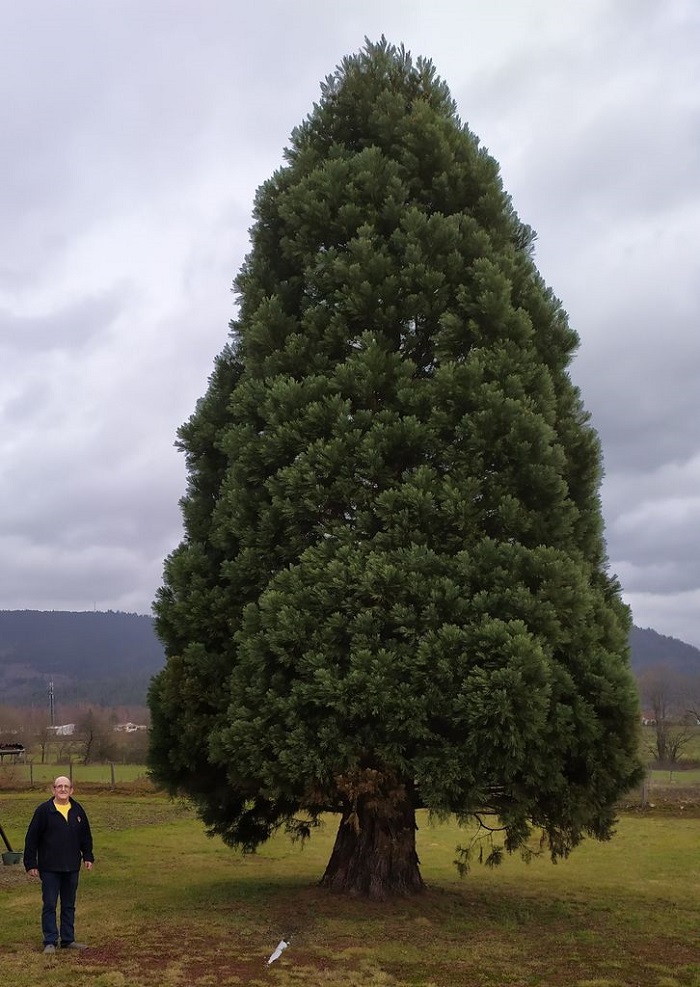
(375, 849)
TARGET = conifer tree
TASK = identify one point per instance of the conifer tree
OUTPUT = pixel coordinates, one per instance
(393, 590)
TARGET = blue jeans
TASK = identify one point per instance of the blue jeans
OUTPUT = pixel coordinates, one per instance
(56, 883)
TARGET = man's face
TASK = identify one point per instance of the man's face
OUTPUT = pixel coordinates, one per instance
(62, 790)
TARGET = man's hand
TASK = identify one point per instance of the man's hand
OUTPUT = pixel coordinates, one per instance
(33, 872)
(88, 865)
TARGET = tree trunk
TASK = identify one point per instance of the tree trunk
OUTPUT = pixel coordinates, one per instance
(375, 850)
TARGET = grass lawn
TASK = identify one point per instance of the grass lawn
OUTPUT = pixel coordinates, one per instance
(167, 906)
(679, 778)
(20, 775)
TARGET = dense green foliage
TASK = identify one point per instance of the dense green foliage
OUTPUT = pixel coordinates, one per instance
(393, 572)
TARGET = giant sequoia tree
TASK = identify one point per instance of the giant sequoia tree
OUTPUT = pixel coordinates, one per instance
(392, 590)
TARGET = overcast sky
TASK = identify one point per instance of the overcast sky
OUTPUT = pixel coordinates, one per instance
(133, 134)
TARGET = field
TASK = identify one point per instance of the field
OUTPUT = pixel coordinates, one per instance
(36, 775)
(165, 905)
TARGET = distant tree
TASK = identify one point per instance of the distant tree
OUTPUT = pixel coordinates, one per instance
(95, 730)
(666, 696)
(10, 724)
(36, 730)
(393, 591)
(131, 748)
(691, 697)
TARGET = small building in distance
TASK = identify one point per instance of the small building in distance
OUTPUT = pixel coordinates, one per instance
(64, 730)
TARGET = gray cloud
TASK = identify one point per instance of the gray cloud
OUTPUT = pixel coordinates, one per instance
(70, 328)
(132, 138)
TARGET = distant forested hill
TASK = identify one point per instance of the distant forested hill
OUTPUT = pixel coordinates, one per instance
(650, 650)
(105, 658)
(109, 658)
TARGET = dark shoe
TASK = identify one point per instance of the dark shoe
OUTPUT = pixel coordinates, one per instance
(49, 948)
(73, 945)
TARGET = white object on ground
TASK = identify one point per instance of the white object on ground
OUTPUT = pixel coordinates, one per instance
(281, 946)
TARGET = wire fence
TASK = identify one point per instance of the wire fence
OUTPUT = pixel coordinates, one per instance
(31, 775)
(660, 787)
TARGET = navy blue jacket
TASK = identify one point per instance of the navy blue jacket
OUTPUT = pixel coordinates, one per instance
(54, 843)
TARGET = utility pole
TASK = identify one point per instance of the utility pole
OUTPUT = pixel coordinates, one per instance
(52, 705)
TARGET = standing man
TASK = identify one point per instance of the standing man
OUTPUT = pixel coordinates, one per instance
(58, 841)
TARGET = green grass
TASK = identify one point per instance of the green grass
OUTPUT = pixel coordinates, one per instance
(165, 905)
(23, 775)
(676, 778)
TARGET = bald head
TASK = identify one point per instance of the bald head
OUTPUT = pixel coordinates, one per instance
(62, 789)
